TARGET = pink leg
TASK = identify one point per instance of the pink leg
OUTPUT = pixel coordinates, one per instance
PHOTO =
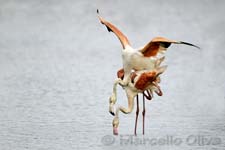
(137, 112)
(143, 113)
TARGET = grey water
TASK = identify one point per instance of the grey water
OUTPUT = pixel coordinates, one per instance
(58, 64)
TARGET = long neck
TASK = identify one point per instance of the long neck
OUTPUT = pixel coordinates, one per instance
(130, 98)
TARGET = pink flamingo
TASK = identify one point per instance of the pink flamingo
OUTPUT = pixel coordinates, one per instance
(145, 82)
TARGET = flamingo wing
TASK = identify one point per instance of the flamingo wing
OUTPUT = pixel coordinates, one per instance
(111, 28)
(158, 44)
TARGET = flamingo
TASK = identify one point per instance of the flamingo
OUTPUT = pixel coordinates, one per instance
(137, 59)
(145, 82)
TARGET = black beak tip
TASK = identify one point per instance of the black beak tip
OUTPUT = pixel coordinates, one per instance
(112, 113)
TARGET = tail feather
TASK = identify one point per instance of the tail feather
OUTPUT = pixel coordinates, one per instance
(161, 69)
(159, 61)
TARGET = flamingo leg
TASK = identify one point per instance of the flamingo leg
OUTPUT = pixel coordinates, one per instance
(143, 113)
(137, 112)
(148, 95)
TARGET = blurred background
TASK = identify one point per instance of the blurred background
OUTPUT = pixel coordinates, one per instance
(58, 64)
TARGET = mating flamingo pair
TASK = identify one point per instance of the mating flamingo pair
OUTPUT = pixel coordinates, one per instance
(140, 72)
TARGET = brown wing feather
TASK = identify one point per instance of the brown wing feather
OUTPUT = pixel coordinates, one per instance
(156, 44)
(159, 43)
(145, 79)
(123, 39)
(120, 73)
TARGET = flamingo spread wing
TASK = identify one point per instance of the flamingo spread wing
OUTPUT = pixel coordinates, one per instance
(111, 28)
(158, 44)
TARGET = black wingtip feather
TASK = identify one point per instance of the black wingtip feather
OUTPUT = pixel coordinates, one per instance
(97, 11)
(189, 44)
(108, 29)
